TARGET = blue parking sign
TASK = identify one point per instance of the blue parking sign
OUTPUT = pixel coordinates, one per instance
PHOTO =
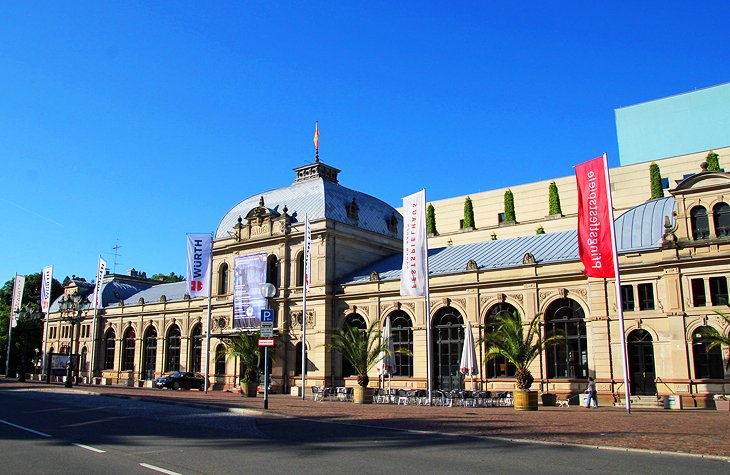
(267, 315)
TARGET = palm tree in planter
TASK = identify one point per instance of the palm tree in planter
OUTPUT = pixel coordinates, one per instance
(244, 346)
(361, 348)
(510, 341)
(713, 337)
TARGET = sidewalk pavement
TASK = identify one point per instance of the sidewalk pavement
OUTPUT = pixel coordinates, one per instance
(691, 431)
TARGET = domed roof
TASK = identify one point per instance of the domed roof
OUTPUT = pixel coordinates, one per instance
(642, 227)
(318, 195)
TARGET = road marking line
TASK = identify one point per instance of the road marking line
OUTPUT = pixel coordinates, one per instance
(158, 469)
(42, 434)
(93, 449)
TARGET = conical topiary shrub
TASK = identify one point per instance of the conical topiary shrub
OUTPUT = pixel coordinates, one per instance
(713, 162)
(431, 220)
(655, 177)
(509, 207)
(554, 200)
(468, 214)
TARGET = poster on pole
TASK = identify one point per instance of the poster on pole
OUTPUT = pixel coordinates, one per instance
(100, 273)
(198, 268)
(414, 278)
(17, 299)
(46, 282)
(249, 274)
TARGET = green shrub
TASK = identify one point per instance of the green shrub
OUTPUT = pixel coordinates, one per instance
(468, 213)
(655, 177)
(431, 220)
(554, 198)
(509, 207)
(713, 162)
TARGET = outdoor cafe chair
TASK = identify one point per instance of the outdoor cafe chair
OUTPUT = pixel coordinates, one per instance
(402, 397)
(344, 394)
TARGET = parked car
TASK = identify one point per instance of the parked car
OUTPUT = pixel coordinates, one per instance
(181, 380)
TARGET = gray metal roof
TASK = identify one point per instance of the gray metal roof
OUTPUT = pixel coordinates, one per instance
(112, 290)
(171, 291)
(319, 199)
(640, 228)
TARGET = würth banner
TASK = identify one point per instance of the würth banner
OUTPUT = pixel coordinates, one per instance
(199, 249)
(413, 278)
(595, 240)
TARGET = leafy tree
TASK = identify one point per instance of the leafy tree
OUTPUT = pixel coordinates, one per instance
(244, 346)
(468, 213)
(360, 347)
(510, 341)
(431, 220)
(655, 177)
(713, 337)
(509, 207)
(28, 335)
(171, 277)
(713, 162)
(554, 199)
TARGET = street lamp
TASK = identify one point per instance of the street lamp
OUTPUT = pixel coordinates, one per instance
(71, 308)
(35, 364)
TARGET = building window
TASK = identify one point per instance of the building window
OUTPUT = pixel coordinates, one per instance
(196, 347)
(568, 358)
(223, 279)
(707, 363)
(150, 353)
(109, 343)
(84, 366)
(665, 183)
(627, 297)
(298, 360)
(401, 330)
(172, 357)
(300, 269)
(272, 270)
(699, 298)
(699, 223)
(721, 218)
(646, 296)
(128, 350)
(352, 320)
(220, 359)
(498, 367)
(500, 218)
(718, 290)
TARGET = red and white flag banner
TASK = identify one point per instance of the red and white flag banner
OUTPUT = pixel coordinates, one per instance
(100, 273)
(46, 282)
(413, 276)
(17, 299)
(595, 240)
(200, 247)
(307, 253)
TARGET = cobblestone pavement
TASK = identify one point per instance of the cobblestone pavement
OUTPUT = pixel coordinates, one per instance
(693, 431)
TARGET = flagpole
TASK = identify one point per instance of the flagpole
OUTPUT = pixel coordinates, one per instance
(100, 271)
(305, 284)
(429, 347)
(622, 327)
(10, 326)
(210, 293)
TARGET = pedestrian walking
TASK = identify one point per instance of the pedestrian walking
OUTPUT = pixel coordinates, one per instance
(592, 394)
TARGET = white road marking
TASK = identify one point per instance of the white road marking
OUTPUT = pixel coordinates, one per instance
(42, 434)
(158, 469)
(93, 449)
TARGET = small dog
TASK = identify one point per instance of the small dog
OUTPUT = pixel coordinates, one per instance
(563, 402)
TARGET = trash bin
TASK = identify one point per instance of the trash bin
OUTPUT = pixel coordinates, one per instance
(672, 402)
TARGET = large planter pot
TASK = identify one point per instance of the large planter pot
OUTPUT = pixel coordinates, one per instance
(525, 400)
(361, 395)
(250, 389)
(722, 404)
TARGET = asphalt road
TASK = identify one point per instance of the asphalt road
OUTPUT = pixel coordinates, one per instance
(52, 432)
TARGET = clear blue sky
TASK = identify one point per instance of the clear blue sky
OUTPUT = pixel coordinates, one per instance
(133, 123)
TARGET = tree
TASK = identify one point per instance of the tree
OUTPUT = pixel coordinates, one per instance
(360, 347)
(245, 347)
(28, 335)
(468, 213)
(655, 178)
(509, 340)
(554, 200)
(509, 207)
(431, 220)
(713, 162)
(171, 277)
(713, 337)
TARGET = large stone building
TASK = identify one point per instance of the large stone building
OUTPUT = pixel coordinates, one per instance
(674, 260)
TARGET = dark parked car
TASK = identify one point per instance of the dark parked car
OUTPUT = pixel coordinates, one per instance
(181, 380)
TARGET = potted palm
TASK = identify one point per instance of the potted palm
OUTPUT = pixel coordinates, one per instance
(715, 338)
(510, 341)
(361, 348)
(244, 346)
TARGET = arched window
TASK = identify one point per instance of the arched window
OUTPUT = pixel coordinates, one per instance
(401, 330)
(109, 342)
(196, 348)
(84, 365)
(300, 269)
(721, 218)
(298, 360)
(220, 359)
(707, 363)
(223, 279)
(172, 356)
(150, 353)
(448, 339)
(128, 350)
(568, 358)
(272, 270)
(498, 367)
(699, 223)
(352, 320)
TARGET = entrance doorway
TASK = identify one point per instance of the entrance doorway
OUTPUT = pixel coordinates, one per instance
(641, 363)
(448, 341)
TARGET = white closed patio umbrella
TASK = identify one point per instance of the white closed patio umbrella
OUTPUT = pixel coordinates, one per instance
(469, 356)
(386, 359)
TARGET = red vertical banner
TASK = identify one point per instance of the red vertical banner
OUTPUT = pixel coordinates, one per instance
(595, 240)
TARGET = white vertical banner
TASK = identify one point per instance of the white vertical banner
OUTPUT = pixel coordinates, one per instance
(100, 273)
(17, 299)
(46, 282)
(307, 253)
(199, 254)
(414, 274)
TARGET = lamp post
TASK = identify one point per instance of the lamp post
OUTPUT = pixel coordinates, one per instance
(35, 364)
(71, 308)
